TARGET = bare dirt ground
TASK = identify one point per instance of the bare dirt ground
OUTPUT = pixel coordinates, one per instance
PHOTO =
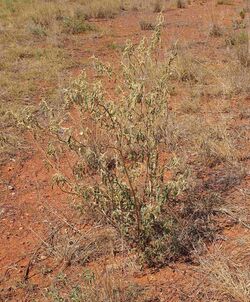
(30, 209)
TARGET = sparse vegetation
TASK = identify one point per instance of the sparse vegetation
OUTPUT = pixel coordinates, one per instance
(146, 149)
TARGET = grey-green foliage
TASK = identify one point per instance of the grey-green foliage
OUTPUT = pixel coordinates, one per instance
(131, 189)
(119, 147)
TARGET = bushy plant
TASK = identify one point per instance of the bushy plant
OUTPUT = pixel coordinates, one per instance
(119, 153)
(121, 142)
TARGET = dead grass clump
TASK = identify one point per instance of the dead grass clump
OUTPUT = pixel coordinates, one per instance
(147, 25)
(238, 24)
(214, 144)
(210, 141)
(238, 43)
(70, 247)
(101, 8)
(215, 30)
(235, 78)
(11, 141)
(225, 2)
(227, 272)
(38, 31)
(238, 38)
(191, 104)
(74, 25)
(158, 6)
(180, 3)
(243, 56)
(66, 254)
(9, 145)
(46, 14)
(94, 286)
(155, 6)
(186, 68)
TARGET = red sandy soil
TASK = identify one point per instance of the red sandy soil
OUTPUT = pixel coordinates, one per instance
(28, 201)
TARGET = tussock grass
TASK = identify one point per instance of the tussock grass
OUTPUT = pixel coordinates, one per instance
(178, 3)
(187, 68)
(101, 8)
(213, 144)
(215, 30)
(225, 2)
(147, 25)
(234, 80)
(227, 272)
(236, 38)
(76, 25)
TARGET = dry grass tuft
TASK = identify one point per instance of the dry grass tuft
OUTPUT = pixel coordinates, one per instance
(101, 8)
(158, 6)
(186, 67)
(73, 25)
(180, 4)
(227, 272)
(215, 30)
(225, 2)
(147, 25)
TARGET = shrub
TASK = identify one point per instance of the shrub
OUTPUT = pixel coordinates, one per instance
(119, 155)
(131, 192)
